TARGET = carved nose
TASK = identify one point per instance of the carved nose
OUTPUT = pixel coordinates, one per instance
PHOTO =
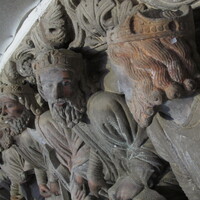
(4, 111)
(56, 92)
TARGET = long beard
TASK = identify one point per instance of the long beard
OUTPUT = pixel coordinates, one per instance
(6, 141)
(71, 112)
(19, 124)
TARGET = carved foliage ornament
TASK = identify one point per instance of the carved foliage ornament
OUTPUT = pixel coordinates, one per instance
(23, 58)
(97, 17)
(51, 31)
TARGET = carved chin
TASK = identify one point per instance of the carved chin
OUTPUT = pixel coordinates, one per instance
(143, 115)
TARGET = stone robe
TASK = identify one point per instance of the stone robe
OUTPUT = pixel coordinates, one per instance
(32, 150)
(13, 166)
(4, 186)
(69, 155)
(122, 147)
(180, 146)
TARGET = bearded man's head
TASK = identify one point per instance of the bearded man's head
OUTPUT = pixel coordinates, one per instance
(14, 114)
(155, 57)
(18, 106)
(59, 75)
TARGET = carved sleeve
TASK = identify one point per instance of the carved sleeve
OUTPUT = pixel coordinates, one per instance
(146, 165)
(13, 167)
(120, 138)
(41, 176)
(95, 167)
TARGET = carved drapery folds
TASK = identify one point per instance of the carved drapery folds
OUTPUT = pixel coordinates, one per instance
(92, 139)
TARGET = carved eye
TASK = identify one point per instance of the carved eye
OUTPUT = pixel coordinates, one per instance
(66, 83)
(51, 30)
(10, 105)
(48, 85)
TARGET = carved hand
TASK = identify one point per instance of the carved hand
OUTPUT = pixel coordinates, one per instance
(124, 189)
(44, 191)
(18, 197)
(96, 186)
(78, 190)
(54, 188)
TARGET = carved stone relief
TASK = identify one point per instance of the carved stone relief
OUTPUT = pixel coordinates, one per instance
(129, 134)
(169, 4)
(152, 71)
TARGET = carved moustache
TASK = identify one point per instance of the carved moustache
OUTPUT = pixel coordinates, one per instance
(66, 112)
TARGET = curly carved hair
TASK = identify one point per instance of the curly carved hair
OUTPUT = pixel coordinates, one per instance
(160, 69)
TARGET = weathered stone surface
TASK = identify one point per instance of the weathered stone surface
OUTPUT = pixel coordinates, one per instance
(169, 4)
(106, 69)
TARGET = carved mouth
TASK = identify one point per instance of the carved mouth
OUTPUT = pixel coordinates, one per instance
(60, 102)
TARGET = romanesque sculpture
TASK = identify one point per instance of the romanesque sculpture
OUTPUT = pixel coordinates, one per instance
(120, 155)
(16, 106)
(55, 126)
(143, 35)
(155, 49)
(128, 135)
(170, 4)
(14, 166)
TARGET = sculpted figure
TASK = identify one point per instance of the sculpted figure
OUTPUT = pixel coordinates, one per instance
(16, 101)
(166, 38)
(121, 156)
(67, 106)
(14, 166)
(155, 51)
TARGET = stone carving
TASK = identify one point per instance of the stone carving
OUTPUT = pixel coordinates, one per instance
(13, 165)
(10, 73)
(169, 4)
(18, 104)
(52, 29)
(88, 141)
(79, 34)
(13, 162)
(143, 35)
(67, 105)
(6, 139)
(161, 54)
(96, 17)
(4, 186)
(22, 93)
(110, 164)
(23, 58)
